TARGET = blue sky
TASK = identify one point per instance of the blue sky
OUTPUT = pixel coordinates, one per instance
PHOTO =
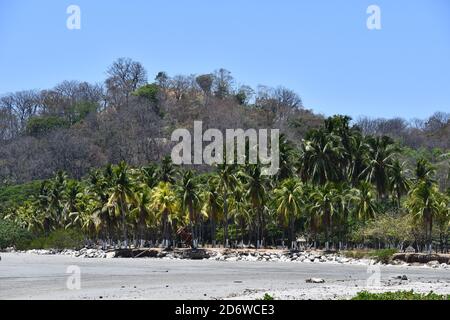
(321, 49)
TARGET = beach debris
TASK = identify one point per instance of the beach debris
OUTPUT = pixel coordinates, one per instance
(315, 280)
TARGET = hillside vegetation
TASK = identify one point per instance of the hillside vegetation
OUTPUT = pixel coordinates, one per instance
(101, 153)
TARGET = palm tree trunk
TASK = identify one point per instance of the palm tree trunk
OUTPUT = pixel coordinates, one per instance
(124, 224)
(225, 212)
(430, 236)
(292, 231)
(213, 231)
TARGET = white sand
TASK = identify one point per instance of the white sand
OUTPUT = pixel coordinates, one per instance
(28, 276)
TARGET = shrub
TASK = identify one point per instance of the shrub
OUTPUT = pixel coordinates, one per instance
(15, 195)
(356, 254)
(59, 239)
(41, 125)
(383, 255)
(267, 297)
(149, 91)
(12, 235)
(399, 295)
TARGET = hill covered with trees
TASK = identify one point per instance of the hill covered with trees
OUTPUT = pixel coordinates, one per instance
(93, 158)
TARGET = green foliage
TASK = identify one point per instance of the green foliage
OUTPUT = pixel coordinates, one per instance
(38, 126)
(338, 186)
(383, 255)
(399, 295)
(16, 195)
(82, 109)
(356, 254)
(267, 297)
(149, 91)
(11, 235)
(59, 239)
(394, 230)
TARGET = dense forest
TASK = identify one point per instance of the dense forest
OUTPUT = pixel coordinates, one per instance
(94, 158)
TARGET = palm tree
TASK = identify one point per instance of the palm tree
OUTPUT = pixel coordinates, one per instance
(142, 212)
(240, 210)
(98, 186)
(287, 156)
(164, 203)
(190, 199)
(424, 203)
(424, 198)
(443, 221)
(212, 205)
(55, 196)
(364, 201)
(42, 205)
(399, 183)
(381, 153)
(167, 171)
(227, 181)
(256, 185)
(321, 154)
(424, 171)
(288, 202)
(71, 198)
(359, 154)
(326, 202)
(122, 195)
(149, 175)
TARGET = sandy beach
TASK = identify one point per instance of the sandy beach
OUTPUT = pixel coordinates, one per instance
(30, 276)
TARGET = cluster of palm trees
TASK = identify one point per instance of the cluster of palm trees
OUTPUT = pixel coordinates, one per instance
(334, 181)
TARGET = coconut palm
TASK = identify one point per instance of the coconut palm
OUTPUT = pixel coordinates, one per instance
(240, 211)
(320, 156)
(167, 171)
(424, 202)
(71, 199)
(326, 203)
(398, 181)
(226, 176)
(122, 196)
(288, 201)
(212, 205)
(190, 200)
(97, 191)
(424, 171)
(424, 199)
(287, 159)
(142, 213)
(164, 204)
(256, 191)
(380, 158)
(149, 175)
(443, 221)
(55, 200)
(363, 199)
(359, 155)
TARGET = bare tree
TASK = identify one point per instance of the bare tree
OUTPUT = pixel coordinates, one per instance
(181, 86)
(23, 105)
(437, 121)
(8, 125)
(124, 77)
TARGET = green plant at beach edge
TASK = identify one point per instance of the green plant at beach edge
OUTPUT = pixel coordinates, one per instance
(400, 295)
